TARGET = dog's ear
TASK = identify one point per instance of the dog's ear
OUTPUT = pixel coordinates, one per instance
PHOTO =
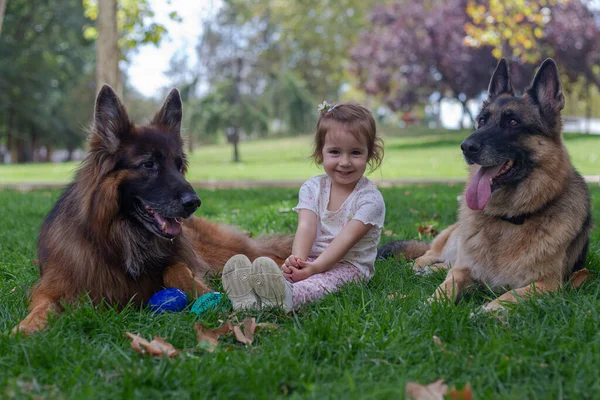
(110, 119)
(546, 89)
(170, 113)
(500, 82)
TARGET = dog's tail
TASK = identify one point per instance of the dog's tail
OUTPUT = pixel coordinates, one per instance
(276, 245)
(410, 249)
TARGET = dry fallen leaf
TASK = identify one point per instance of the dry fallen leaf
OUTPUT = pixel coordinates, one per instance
(442, 345)
(246, 336)
(211, 336)
(428, 230)
(249, 328)
(394, 295)
(433, 391)
(579, 277)
(157, 347)
(465, 394)
(436, 391)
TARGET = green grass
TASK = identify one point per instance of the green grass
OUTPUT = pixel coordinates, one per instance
(424, 155)
(358, 343)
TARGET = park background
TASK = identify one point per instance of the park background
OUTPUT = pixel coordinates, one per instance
(251, 73)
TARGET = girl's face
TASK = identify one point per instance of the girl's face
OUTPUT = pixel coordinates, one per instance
(344, 157)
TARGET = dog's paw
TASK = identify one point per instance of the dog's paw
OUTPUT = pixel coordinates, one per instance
(493, 306)
(439, 297)
(421, 270)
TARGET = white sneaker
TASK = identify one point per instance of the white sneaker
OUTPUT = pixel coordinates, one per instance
(236, 283)
(269, 284)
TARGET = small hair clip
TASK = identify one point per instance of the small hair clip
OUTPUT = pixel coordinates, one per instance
(325, 107)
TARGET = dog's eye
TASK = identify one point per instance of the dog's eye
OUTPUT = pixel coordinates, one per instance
(481, 122)
(148, 165)
(513, 122)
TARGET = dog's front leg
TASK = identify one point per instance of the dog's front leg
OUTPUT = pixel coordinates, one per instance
(453, 286)
(180, 276)
(43, 303)
(513, 296)
(433, 256)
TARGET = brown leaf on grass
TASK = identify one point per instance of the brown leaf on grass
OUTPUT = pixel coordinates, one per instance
(442, 345)
(428, 230)
(394, 295)
(433, 391)
(579, 277)
(246, 336)
(436, 391)
(211, 336)
(157, 347)
(407, 193)
(413, 211)
(249, 328)
(465, 394)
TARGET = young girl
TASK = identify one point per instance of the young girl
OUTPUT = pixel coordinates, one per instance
(340, 219)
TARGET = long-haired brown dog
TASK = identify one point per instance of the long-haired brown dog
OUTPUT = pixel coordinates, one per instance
(122, 230)
(525, 218)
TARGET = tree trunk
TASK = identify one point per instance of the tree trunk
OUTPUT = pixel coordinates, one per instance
(35, 148)
(2, 8)
(236, 153)
(9, 141)
(466, 110)
(190, 142)
(19, 150)
(49, 151)
(107, 48)
(588, 109)
(235, 139)
(70, 150)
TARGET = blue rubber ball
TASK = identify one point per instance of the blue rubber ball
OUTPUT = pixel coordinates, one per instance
(170, 299)
(208, 301)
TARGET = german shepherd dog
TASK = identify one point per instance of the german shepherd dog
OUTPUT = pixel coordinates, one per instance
(123, 229)
(524, 221)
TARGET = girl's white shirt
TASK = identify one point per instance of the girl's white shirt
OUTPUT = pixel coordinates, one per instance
(364, 204)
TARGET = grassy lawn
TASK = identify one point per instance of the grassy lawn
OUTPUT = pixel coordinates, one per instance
(367, 341)
(420, 154)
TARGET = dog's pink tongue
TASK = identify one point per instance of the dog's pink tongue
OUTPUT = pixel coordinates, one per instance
(479, 190)
(169, 225)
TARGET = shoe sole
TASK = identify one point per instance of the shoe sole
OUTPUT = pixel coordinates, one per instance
(236, 282)
(268, 282)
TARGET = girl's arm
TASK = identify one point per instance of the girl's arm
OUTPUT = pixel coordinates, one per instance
(338, 248)
(306, 233)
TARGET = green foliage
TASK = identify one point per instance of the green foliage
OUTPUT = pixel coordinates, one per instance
(45, 73)
(366, 341)
(134, 19)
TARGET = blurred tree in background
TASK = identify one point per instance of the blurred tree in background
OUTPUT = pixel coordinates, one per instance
(265, 64)
(45, 63)
(47, 69)
(414, 49)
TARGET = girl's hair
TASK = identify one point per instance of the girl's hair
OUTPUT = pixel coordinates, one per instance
(357, 120)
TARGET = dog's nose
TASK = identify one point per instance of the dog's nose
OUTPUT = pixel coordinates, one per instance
(190, 201)
(470, 147)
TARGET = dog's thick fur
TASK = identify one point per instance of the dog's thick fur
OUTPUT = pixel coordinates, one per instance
(533, 230)
(116, 232)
